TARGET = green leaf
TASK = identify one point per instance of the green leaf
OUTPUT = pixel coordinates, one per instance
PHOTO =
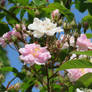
(8, 69)
(88, 53)
(63, 53)
(89, 35)
(3, 28)
(66, 12)
(22, 14)
(3, 58)
(71, 89)
(22, 2)
(81, 5)
(14, 10)
(78, 63)
(39, 2)
(1, 15)
(85, 80)
(88, 19)
(11, 20)
(88, 1)
(56, 88)
(28, 84)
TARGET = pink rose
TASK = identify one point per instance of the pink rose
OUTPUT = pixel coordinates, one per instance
(75, 74)
(34, 54)
(83, 43)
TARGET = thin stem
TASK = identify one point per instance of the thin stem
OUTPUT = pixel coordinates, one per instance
(35, 73)
(11, 14)
(38, 76)
(66, 59)
(48, 81)
(10, 82)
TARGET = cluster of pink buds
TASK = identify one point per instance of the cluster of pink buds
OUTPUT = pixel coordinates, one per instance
(11, 36)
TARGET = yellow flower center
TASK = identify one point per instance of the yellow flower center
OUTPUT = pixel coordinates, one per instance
(83, 71)
(35, 53)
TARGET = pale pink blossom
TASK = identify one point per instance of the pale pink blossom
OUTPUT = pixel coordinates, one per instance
(55, 13)
(64, 40)
(23, 27)
(2, 42)
(84, 43)
(75, 74)
(7, 37)
(15, 33)
(34, 54)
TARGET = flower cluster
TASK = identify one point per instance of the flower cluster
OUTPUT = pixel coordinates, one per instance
(8, 37)
(34, 54)
(82, 43)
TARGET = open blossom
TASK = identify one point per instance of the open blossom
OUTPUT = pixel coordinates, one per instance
(40, 28)
(83, 43)
(34, 54)
(75, 74)
(55, 13)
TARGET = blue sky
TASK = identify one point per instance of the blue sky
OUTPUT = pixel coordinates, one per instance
(14, 58)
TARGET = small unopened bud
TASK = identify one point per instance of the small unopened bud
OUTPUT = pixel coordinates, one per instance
(1, 77)
(2, 3)
(73, 24)
(67, 26)
(60, 22)
(79, 26)
(64, 25)
(85, 25)
(37, 12)
(55, 14)
(28, 73)
(23, 27)
(76, 34)
(58, 44)
(18, 27)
